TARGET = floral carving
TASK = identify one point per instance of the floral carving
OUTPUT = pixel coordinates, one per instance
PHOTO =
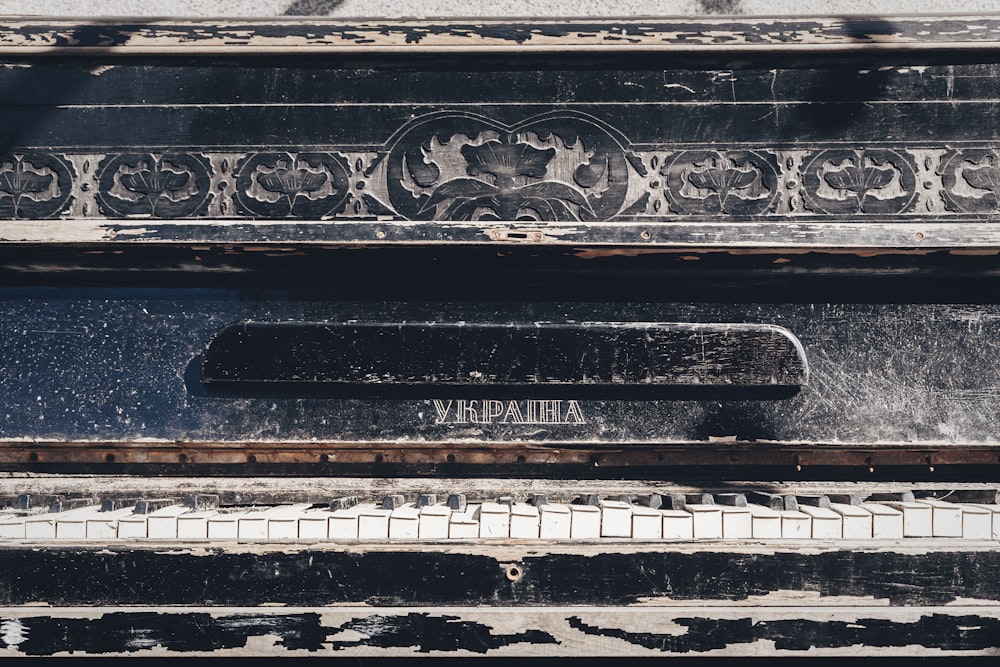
(301, 185)
(33, 186)
(970, 179)
(171, 185)
(504, 189)
(556, 167)
(859, 181)
(733, 182)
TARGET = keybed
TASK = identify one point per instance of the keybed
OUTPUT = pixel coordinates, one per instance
(668, 517)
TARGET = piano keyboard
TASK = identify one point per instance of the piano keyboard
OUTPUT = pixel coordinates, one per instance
(971, 515)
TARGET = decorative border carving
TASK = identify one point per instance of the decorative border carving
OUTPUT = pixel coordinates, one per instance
(562, 166)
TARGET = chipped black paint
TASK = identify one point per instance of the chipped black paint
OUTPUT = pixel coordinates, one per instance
(941, 631)
(720, 32)
(427, 633)
(130, 632)
(144, 576)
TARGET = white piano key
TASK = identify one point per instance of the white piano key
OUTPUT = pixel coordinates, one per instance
(525, 521)
(373, 523)
(40, 526)
(766, 522)
(917, 518)
(946, 518)
(857, 521)
(404, 523)
(104, 525)
(344, 522)
(977, 522)
(826, 524)
(616, 518)
(225, 525)
(677, 525)
(162, 523)
(795, 525)
(737, 522)
(585, 522)
(494, 520)
(12, 527)
(72, 525)
(252, 525)
(192, 525)
(133, 526)
(434, 522)
(555, 522)
(464, 525)
(283, 521)
(707, 520)
(314, 524)
(43, 526)
(647, 523)
(994, 509)
(887, 522)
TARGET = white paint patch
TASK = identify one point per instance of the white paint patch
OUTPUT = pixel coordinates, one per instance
(13, 632)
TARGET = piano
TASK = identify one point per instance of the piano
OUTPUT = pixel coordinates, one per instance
(543, 339)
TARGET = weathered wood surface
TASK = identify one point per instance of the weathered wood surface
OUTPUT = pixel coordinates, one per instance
(44, 35)
(82, 367)
(581, 632)
(928, 572)
(398, 600)
(615, 150)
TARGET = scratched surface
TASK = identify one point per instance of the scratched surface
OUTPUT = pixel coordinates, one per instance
(124, 364)
(617, 148)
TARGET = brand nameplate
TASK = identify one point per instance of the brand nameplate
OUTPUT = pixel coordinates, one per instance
(507, 412)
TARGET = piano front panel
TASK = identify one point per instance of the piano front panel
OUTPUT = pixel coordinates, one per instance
(746, 257)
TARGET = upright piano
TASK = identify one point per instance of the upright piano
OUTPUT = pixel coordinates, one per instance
(553, 339)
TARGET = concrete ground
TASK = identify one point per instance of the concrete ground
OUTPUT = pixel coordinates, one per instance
(494, 8)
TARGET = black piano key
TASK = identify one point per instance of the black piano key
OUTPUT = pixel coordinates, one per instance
(538, 500)
(652, 500)
(588, 499)
(147, 506)
(505, 500)
(456, 502)
(201, 501)
(731, 499)
(976, 496)
(672, 501)
(901, 497)
(343, 503)
(426, 500)
(845, 498)
(774, 501)
(33, 501)
(625, 498)
(814, 501)
(64, 504)
(112, 504)
(699, 499)
(393, 501)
